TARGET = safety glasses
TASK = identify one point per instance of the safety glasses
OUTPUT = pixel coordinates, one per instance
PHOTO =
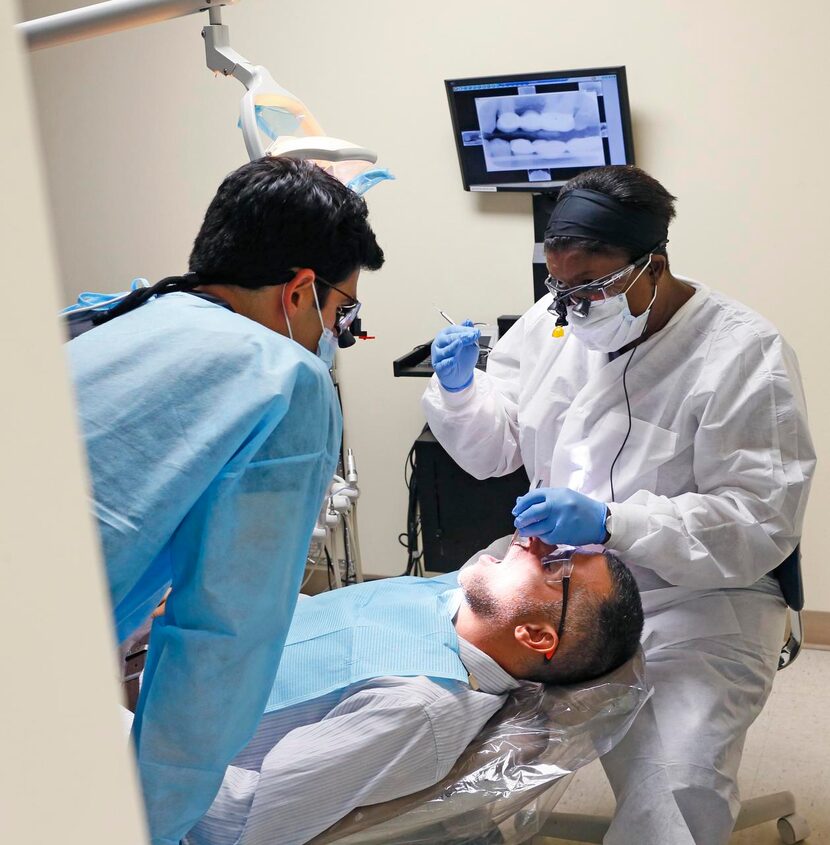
(597, 290)
(558, 567)
(347, 311)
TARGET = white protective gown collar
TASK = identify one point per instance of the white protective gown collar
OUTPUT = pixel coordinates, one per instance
(690, 307)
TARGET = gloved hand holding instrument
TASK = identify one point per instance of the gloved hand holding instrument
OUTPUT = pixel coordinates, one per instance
(455, 352)
(558, 515)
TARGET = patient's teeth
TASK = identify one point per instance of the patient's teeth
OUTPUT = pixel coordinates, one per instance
(521, 147)
(530, 121)
(508, 121)
(498, 147)
(557, 121)
(555, 149)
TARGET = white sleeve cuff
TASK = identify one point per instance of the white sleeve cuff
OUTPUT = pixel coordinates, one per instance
(457, 399)
(629, 523)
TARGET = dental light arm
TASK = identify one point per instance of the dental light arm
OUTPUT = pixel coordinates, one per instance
(293, 130)
(259, 84)
(300, 136)
(104, 18)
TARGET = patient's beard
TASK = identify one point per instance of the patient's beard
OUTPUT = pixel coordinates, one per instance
(503, 612)
(485, 605)
(479, 597)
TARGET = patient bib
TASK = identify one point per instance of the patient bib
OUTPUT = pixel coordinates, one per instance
(400, 626)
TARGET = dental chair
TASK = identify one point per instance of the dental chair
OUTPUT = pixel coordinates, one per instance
(505, 785)
(504, 788)
(792, 828)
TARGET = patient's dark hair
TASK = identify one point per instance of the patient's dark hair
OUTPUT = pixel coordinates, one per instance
(600, 633)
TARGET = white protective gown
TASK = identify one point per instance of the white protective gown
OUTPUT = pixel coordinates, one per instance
(710, 492)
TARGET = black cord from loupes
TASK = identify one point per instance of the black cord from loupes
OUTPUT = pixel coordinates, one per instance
(625, 439)
(342, 465)
(138, 297)
(627, 400)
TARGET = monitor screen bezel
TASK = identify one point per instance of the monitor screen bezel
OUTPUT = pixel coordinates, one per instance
(625, 114)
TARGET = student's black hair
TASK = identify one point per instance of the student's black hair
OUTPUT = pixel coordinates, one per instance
(277, 213)
(269, 216)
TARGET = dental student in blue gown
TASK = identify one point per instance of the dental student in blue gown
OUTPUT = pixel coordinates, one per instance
(212, 430)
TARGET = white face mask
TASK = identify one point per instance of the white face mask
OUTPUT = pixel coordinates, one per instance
(610, 325)
(327, 345)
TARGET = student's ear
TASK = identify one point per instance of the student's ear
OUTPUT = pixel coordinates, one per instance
(297, 289)
(538, 638)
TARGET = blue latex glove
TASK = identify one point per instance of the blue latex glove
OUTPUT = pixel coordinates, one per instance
(455, 354)
(560, 515)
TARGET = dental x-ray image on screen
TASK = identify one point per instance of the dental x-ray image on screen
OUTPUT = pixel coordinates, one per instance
(542, 130)
(533, 132)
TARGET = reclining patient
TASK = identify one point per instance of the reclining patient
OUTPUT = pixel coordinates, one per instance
(382, 685)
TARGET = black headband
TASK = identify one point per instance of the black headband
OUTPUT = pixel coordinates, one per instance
(582, 213)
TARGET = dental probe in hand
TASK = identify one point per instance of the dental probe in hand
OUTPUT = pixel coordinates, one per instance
(445, 316)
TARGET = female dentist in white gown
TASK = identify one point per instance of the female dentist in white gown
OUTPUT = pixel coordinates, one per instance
(669, 423)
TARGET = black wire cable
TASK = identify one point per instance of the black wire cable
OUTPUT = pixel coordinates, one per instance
(413, 522)
(346, 551)
(139, 296)
(329, 568)
(628, 401)
(628, 433)
(342, 465)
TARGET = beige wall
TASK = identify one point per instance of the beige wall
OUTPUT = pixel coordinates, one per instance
(66, 775)
(727, 101)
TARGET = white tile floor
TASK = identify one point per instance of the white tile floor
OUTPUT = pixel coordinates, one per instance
(788, 748)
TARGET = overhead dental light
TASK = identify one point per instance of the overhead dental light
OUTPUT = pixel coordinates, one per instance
(269, 109)
(268, 112)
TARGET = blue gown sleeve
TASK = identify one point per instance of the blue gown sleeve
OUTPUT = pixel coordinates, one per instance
(237, 563)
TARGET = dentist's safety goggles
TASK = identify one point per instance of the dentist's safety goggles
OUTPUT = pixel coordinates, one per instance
(580, 297)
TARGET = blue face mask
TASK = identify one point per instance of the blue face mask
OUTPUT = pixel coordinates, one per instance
(327, 345)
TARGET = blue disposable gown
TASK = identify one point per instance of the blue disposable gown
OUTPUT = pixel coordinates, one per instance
(211, 441)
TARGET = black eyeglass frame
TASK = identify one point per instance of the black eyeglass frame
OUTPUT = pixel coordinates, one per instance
(566, 585)
(565, 557)
(346, 313)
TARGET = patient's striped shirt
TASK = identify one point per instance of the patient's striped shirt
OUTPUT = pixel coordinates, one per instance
(309, 765)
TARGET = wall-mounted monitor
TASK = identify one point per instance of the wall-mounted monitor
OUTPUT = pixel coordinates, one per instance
(534, 131)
